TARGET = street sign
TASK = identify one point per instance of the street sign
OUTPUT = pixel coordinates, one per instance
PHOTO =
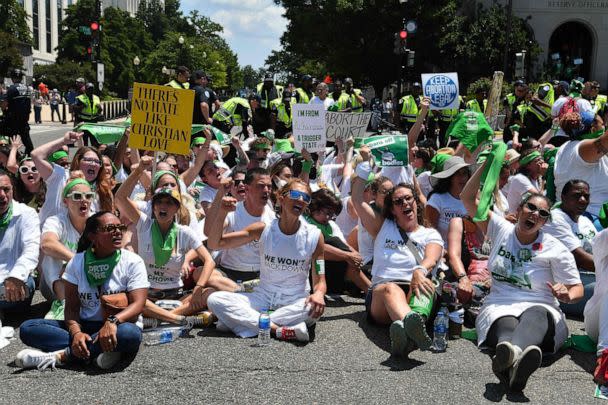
(100, 72)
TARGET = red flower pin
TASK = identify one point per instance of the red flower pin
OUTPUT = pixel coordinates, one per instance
(537, 246)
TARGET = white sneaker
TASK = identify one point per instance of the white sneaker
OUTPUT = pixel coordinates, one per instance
(107, 360)
(297, 332)
(32, 358)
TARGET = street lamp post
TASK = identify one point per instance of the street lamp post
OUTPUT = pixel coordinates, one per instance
(136, 63)
(181, 41)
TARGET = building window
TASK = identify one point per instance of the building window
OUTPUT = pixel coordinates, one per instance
(49, 47)
(36, 24)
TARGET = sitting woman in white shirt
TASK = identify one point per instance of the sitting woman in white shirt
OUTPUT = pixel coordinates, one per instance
(405, 252)
(531, 271)
(526, 180)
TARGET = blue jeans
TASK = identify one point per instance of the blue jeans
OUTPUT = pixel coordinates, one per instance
(21, 306)
(49, 336)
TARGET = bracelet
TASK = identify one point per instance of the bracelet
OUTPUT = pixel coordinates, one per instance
(424, 269)
(461, 276)
(363, 170)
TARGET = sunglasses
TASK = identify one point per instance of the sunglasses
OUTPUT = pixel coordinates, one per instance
(27, 169)
(297, 195)
(112, 228)
(239, 182)
(92, 161)
(400, 201)
(79, 196)
(544, 214)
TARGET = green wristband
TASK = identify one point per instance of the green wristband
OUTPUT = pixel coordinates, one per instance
(306, 166)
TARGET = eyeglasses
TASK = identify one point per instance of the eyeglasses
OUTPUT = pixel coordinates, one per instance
(239, 182)
(79, 196)
(400, 201)
(112, 228)
(297, 195)
(92, 161)
(28, 169)
(384, 192)
(544, 214)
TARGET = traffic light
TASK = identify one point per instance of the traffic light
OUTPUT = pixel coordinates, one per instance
(400, 44)
(403, 34)
(95, 27)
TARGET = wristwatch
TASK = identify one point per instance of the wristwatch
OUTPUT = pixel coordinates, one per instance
(114, 320)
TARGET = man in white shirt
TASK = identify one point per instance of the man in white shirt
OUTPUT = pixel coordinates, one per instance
(321, 96)
(19, 248)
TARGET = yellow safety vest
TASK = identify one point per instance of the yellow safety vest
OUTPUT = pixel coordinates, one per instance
(511, 100)
(409, 108)
(177, 85)
(356, 106)
(89, 112)
(265, 101)
(448, 114)
(304, 97)
(227, 111)
(473, 105)
(540, 112)
(600, 103)
(282, 115)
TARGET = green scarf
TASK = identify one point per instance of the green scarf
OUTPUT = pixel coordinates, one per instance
(592, 135)
(6, 218)
(489, 178)
(471, 129)
(324, 228)
(99, 270)
(528, 158)
(163, 247)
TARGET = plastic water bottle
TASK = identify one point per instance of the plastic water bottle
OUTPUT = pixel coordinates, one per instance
(264, 329)
(161, 336)
(440, 330)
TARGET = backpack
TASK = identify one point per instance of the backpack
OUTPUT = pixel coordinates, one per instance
(569, 106)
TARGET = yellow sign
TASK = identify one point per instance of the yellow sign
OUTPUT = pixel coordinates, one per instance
(161, 118)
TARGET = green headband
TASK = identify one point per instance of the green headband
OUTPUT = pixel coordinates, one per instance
(160, 174)
(55, 156)
(528, 158)
(25, 159)
(68, 187)
(198, 140)
(437, 162)
(262, 146)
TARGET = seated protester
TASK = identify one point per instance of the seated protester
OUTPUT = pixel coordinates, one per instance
(30, 187)
(19, 249)
(89, 332)
(87, 160)
(340, 259)
(571, 227)
(281, 174)
(347, 218)
(210, 175)
(60, 235)
(164, 244)
(526, 180)
(444, 203)
(241, 263)
(595, 309)
(290, 250)
(405, 252)
(531, 271)
(501, 205)
(261, 147)
(423, 166)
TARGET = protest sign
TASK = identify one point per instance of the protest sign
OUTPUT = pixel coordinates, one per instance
(309, 127)
(161, 118)
(344, 125)
(388, 150)
(442, 89)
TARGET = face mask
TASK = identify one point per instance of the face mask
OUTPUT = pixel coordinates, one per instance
(280, 183)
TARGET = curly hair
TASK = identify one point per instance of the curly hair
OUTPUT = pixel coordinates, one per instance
(387, 211)
(324, 198)
(570, 122)
(102, 181)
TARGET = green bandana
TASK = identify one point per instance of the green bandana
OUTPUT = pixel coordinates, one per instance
(6, 218)
(197, 141)
(471, 129)
(163, 247)
(528, 158)
(437, 162)
(592, 135)
(282, 145)
(324, 228)
(68, 187)
(160, 174)
(99, 270)
(55, 156)
(489, 179)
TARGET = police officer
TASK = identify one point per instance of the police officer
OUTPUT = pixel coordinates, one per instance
(281, 116)
(598, 101)
(357, 101)
(511, 103)
(407, 108)
(181, 79)
(267, 92)
(19, 108)
(201, 113)
(88, 109)
(236, 111)
(304, 93)
(479, 101)
(538, 116)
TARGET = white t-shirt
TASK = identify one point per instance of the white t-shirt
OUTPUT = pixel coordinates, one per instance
(399, 174)
(344, 220)
(286, 259)
(600, 259)
(246, 257)
(520, 274)
(207, 194)
(572, 234)
(20, 243)
(424, 180)
(569, 166)
(448, 208)
(393, 260)
(128, 275)
(61, 226)
(328, 102)
(518, 186)
(167, 276)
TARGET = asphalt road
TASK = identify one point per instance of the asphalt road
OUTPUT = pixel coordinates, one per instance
(349, 362)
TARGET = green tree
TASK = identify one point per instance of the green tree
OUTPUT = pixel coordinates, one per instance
(251, 77)
(10, 56)
(14, 35)
(62, 75)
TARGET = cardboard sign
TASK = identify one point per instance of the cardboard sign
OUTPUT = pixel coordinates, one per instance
(388, 150)
(442, 89)
(344, 125)
(161, 118)
(309, 127)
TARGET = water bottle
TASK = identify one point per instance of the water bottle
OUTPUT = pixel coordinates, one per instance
(264, 329)
(440, 330)
(165, 335)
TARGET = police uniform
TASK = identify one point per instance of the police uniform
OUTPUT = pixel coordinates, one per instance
(537, 119)
(234, 112)
(408, 111)
(284, 117)
(19, 97)
(177, 85)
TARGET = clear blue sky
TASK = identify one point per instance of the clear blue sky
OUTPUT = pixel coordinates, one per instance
(251, 27)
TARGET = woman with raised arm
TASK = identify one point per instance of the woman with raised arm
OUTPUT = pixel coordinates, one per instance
(405, 253)
(531, 271)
